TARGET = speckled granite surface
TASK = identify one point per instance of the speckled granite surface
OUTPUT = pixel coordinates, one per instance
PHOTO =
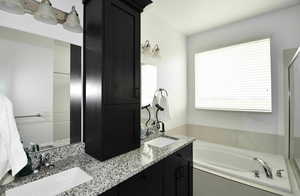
(109, 173)
(58, 153)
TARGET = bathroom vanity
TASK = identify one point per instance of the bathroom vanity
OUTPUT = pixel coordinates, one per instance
(148, 170)
(170, 176)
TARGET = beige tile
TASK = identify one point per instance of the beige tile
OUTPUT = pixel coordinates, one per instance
(211, 134)
(237, 138)
(181, 130)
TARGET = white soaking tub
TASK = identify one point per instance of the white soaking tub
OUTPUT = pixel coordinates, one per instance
(238, 165)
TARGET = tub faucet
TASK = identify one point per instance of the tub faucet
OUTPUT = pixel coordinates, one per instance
(265, 166)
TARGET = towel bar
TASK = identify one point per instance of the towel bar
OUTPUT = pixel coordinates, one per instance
(29, 116)
(161, 90)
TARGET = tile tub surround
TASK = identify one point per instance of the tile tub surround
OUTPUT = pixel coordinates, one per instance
(267, 143)
(181, 130)
(109, 173)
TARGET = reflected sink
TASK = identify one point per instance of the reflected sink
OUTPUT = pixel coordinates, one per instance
(52, 185)
(161, 142)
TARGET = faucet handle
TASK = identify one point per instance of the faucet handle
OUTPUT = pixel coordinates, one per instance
(279, 173)
(47, 160)
(256, 173)
(46, 157)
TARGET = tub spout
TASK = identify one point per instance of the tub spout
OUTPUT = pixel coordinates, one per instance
(265, 166)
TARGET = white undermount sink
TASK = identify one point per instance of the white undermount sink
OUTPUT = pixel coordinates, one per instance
(161, 142)
(52, 185)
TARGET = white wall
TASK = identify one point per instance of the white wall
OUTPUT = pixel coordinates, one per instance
(171, 65)
(28, 24)
(284, 29)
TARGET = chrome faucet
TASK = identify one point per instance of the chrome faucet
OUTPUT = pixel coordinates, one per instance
(265, 166)
(44, 161)
(157, 125)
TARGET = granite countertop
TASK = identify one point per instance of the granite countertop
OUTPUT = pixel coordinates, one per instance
(105, 174)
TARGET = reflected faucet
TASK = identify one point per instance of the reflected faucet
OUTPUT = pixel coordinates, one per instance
(44, 161)
(265, 166)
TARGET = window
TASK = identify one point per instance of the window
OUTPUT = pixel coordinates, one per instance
(149, 83)
(234, 78)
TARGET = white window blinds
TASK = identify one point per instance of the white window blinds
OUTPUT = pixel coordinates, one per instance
(235, 78)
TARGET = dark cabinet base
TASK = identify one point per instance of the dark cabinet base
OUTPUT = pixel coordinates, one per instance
(147, 183)
(178, 173)
(172, 176)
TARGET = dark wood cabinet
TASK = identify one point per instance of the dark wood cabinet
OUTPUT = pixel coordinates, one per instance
(172, 176)
(147, 183)
(111, 192)
(122, 79)
(121, 123)
(112, 76)
(178, 173)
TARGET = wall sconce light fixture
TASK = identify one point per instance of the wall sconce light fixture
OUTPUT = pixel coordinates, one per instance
(44, 12)
(146, 49)
(72, 22)
(156, 51)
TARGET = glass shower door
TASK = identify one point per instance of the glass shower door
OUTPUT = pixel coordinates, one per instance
(294, 109)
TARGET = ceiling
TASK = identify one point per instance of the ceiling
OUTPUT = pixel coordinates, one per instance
(193, 16)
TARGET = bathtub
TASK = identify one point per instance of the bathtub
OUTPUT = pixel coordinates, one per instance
(238, 165)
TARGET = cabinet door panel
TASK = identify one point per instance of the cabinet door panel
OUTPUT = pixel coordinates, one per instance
(121, 129)
(122, 73)
(112, 192)
(178, 173)
(147, 183)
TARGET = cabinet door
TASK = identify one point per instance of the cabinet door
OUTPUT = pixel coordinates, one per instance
(112, 192)
(147, 183)
(178, 173)
(121, 129)
(122, 54)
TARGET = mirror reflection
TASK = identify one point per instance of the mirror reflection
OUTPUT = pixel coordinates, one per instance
(36, 75)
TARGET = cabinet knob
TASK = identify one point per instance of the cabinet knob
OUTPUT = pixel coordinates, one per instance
(179, 156)
(144, 176)
(180, 172)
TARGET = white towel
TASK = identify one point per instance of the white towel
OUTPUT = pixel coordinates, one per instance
(153, 107)
(12, 154)
(164, 115)
(155, 101)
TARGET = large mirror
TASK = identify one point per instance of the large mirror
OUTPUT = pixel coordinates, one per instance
(42, 79)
